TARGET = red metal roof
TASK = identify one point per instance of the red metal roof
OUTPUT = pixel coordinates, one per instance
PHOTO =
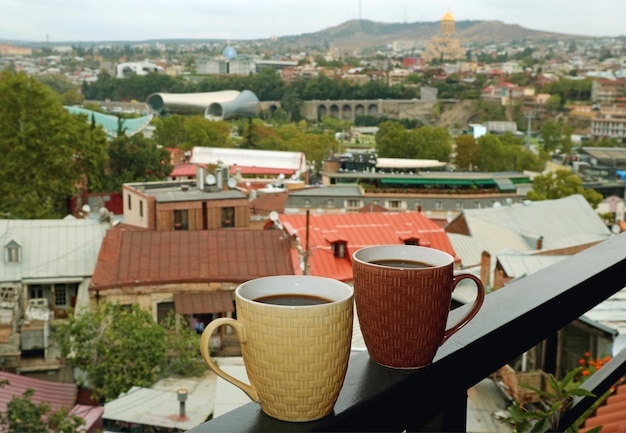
(138, 257)
(360, 230)
(185, 169)
(56, 394)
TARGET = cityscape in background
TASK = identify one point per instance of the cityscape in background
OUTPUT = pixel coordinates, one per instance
(284, 156)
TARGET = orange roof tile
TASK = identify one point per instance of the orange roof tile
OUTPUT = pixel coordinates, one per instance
(360, 230)
(139, 257)
(611, 415)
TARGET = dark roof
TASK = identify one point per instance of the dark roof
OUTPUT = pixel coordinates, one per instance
(136, 258)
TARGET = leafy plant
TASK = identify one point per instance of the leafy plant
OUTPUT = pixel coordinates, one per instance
(24, 415)
(118, 347)
(555, 401)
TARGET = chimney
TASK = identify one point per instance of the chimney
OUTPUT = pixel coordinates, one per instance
(539, 243)
(181, 394)
(485, 268)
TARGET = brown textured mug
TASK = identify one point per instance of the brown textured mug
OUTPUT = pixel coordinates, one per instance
(402, 295)
(295, 333)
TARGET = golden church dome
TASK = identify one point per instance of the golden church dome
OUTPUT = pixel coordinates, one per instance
(448, 17)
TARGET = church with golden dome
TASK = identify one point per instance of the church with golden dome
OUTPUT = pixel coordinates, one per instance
(444, 46)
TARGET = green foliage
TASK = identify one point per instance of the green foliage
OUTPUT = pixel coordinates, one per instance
(120, 347)
(134, 159)
(23, 415)
(186, 132)
(556, 136)
(504, 153)
(466, 152)
(569, 90)
(561, 183)
(554, 403)
(426, 142)
(46, 151)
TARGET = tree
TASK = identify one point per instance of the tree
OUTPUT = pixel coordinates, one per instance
(466, 152)
(185, 132)
(391, 139)
(24, 415)
(428, 142)
(46, 151)
(552, 135)
(134, 159)
(119, 347)
(561, 183)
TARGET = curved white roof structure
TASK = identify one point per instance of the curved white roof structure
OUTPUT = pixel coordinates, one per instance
(274, 159)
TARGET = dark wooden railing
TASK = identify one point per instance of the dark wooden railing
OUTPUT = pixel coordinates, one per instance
(511, 321)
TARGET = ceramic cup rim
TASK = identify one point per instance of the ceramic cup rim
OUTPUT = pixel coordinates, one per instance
(329, 288)
(432, 256)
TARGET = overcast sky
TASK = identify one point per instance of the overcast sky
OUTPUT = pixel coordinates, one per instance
(94, 20)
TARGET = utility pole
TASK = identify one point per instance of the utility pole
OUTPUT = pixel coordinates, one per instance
(529, 116)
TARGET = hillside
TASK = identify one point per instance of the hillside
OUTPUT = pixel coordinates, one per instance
(362, 34)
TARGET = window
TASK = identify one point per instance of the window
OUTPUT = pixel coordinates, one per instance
(181, 219)
(477, 204)
(130, 200)
(330, 202)
(228, 217)
(412, 241)
(354, 204)
(141, 208)
(37, 290)
(438, 205)
(65, 295)
(395, 204)
(307, 202)
(458, 205)
(60, 296)
(12, 252)
(339, 249)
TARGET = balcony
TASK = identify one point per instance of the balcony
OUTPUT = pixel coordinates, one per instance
(512, 320)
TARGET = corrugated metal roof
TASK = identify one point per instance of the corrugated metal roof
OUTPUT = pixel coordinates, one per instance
(562, 223)
(519, 265)
(204, 302)
(56, 394)
(329, 191)
(159, 406)
(134, 258)
(359, 230)
(52, 249)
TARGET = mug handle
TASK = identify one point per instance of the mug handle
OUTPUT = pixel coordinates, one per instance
(480, 297)
(206, 353)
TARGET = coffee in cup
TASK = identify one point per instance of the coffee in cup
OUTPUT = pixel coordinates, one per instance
(402, 295)
(295, 333)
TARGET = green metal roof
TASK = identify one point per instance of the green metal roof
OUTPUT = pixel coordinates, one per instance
(416, 181)
(110, 124)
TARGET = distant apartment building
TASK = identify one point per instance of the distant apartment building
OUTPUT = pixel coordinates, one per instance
(609, 125)
(606, 92)
(211, 66)
(9, 50)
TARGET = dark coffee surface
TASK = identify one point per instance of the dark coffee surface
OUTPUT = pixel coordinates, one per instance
(398, 263)
(292, 300)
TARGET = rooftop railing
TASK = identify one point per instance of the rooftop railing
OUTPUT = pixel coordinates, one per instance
(511, 321)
